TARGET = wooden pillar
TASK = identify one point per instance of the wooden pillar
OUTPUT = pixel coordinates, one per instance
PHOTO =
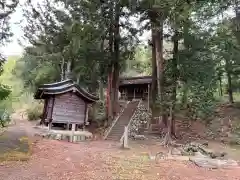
(68, 125)
(44, 114)
(50, 124)
(52, 101)
(73, 127)
(133, 93)
(73, 130)
(86, 116)
(125, 94)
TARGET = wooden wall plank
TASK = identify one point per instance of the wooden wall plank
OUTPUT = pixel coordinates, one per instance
(69, 108)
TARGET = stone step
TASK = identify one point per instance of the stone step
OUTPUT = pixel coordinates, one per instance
(118, 129)
(115, 133)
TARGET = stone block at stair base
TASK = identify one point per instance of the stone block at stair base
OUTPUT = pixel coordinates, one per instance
(77, 136)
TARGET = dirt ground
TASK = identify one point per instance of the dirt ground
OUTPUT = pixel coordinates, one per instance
(55, 160)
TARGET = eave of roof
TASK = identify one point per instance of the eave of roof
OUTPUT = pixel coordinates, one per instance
(136, 80)
(63, 87)
(56, 84)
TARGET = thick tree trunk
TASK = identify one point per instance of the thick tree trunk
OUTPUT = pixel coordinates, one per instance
(110, 68)
(184, 99)
(109, 97)
(68, 72)
(116, 60)
(115, 85)
(168, 136)
(186, 25)
(78, 79)
(160, 63)
(230, 92)
(101, 90)
(220, 86)
(174, 80)
(154, 90)
(228, 69)
(63, 69)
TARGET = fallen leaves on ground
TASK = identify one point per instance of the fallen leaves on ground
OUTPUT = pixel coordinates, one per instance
(55, 160)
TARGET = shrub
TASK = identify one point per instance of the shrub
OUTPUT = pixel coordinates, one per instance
(97, 113)
(34, 112)
(4, 117)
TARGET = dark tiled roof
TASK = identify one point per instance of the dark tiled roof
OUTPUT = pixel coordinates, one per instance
(63, 87)
(136, 80)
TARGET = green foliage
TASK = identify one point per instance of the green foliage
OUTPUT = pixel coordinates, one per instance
(4, 117)
(202, 102)
(14, 84)
(98, 113)
(140, 64)
(34, 112)
(74, 39)
(7, 8)
(4, 92)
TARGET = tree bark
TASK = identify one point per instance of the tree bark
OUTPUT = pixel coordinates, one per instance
(160, 63)
(78, 79)
(230, 92)
(101, 91)
(228, 69)
(174, 80)
(115, 85)
(111, 67)
(184, 99)
(116, 65)
(109, 97)
(63, 69)
(220, 86)
(154, 89)
(116, 57)
(186, 45)
(168, 136)
(68, 72)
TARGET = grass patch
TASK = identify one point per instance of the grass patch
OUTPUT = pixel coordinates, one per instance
(15, 156)
(20, 153)
(34, 112)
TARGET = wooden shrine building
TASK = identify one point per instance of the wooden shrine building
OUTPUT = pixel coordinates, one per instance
(135, 87)
(64, 102)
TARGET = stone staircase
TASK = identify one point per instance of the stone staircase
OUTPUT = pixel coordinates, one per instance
(117, 130)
